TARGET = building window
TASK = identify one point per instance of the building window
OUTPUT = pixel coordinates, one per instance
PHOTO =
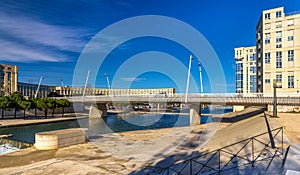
(252, 57)
(267, 38)
(278, 46)
(278, 14)
(290, 55)
(267, 26)
(290, 81)
(278, 59)
(267, 16)
(278, 37)
(252, 69)
(278, 24)
(239, 67)
(279, 80)
(267, 80)
(267, 58)
(290, 38)
(252, 83)
(290, 22)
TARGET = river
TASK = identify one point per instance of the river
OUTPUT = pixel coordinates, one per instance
(113, 123)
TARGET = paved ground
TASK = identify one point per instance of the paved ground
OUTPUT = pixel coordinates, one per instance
(291, 121)
(21, 121)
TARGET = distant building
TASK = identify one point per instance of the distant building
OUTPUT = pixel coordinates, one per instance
(29, 90)
(8, 79)
(245, 61)
(70, 91)
(278, 51)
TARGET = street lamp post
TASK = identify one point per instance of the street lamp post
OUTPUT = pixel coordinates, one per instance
(38, 88)
(108, 85)
(275, 99)
(297, 86)
(63, 87)
(85, 85)
(188, 80)
(200, 71)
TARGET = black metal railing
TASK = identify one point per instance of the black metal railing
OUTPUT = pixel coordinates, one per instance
(246, 153)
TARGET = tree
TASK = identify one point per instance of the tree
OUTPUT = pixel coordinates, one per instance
(4, 104)
(42, 105)
(34, 105)
(25, 105)
(16, 99)
(51, 103)
(63, 103)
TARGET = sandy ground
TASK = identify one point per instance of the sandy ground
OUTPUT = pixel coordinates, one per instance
(128, 152)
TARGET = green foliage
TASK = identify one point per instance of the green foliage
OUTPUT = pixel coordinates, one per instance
(25, 105)
(51, 103)
(42, 105)
(16, 98)
(5, 104)
(63, 103)
(17, 101)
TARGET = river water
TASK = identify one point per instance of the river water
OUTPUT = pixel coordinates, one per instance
(113, 123)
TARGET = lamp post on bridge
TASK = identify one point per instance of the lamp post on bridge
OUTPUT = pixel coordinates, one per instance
(85, 85)
(38, 88)
(200, 71)
(188, 80)
(108, 85)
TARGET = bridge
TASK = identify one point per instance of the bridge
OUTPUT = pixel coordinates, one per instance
(257, 99)
(195, 101)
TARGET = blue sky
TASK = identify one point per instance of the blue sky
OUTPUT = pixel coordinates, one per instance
(45, 38)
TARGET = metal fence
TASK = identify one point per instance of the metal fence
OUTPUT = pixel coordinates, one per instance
(247, 153)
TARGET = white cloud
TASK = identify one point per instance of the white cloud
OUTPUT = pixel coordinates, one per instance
(18, 53)
(24, 39)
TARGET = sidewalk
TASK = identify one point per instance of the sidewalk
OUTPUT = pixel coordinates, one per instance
(31, 121)
(292, 163)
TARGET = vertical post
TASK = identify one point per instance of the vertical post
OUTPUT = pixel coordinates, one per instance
(85, 85)
(200, 71)
(63, 87)
(252, 162)
(38, 88)
(188, 80)
(270, 132)
(274, 99)
(108, 85)
(297, 86)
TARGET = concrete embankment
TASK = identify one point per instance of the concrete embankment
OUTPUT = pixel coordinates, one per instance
(241, 115)
(22, 122)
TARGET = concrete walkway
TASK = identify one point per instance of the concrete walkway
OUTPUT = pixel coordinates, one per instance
(20, 122)
(292, 164)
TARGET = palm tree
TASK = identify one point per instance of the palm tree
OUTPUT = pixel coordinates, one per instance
(51, 103)
(16, 99)
(63, 103)
(42, 105)
(4, 104)
(25, 105)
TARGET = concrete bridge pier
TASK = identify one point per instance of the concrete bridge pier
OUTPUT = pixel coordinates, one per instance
(195, 114)
(98, 111)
